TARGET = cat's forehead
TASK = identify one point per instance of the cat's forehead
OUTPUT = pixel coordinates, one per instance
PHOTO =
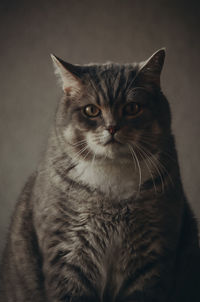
(110, 81)
(110, 69)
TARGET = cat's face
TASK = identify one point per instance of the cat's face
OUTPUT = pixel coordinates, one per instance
(112, 111)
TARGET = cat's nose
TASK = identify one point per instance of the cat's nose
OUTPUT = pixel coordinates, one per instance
(112, 129)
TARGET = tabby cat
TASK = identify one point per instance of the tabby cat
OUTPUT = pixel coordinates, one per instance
(105, 218)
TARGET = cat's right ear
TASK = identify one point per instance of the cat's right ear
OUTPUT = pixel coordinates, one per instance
(68, 76)
(150, 70)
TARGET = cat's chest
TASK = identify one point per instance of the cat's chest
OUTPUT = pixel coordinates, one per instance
(115, 180)
(109, 246)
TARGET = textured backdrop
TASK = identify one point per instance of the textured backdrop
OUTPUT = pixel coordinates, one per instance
(90, 31)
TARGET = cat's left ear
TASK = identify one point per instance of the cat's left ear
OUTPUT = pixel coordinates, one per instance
(150, 70)
(69, 76)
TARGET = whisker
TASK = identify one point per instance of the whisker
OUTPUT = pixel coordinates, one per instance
(146, 158)
(155, 163)
(86, 154)
(134, 155)
(93, 160)
(160, 166)
(148, 143)
(81, 142)
(77, 155)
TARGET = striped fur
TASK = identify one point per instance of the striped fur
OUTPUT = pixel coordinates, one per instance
(105, 221)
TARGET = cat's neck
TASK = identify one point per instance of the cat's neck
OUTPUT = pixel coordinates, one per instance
(114, 179)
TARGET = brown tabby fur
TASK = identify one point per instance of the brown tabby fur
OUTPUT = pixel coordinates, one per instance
(105, 218)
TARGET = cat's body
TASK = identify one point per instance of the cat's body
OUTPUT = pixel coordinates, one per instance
(104, 219)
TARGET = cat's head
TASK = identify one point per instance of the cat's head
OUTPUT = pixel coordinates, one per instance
(111, 111)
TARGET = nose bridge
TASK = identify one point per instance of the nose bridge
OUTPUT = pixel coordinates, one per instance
(110, 121)
(109, 118)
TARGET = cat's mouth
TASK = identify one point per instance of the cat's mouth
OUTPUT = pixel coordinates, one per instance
(112, 141)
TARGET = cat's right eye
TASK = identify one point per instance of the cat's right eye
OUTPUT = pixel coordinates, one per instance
(131, 109)
(91, 110)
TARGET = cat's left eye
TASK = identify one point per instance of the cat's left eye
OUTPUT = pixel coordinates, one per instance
(131, 109)
(91, 110)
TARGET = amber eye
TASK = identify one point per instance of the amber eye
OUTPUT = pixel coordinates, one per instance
(131, 109)
(91, 110)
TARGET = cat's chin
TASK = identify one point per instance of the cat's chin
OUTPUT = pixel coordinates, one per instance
(116, 151)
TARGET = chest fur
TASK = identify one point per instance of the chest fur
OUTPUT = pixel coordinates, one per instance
(106, 249)
(119, 181)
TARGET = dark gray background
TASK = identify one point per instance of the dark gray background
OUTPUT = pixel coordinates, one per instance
(81, 32)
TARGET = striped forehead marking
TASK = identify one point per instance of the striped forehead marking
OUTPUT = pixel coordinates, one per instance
(111, 84)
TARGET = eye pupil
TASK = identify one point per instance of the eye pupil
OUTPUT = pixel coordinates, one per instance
(131, 109)
(91, 110)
